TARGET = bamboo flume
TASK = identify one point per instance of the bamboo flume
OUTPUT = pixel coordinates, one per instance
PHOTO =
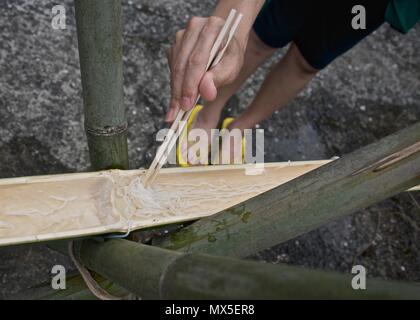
(357, 180)
(353, 182)
(45, 208)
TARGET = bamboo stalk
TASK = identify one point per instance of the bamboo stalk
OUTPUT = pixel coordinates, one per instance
(99, 32)
(358, 180)
(75, 290)
(154, 273)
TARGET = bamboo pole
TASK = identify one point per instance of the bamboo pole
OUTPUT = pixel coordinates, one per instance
(75, 290)
(358, 180)
(99, 33)
(154, 273)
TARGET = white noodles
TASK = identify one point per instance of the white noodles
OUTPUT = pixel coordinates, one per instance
(6, 225)
(170, 199)
(165, 199)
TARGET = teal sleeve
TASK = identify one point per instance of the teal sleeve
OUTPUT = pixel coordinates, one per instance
(402, 15)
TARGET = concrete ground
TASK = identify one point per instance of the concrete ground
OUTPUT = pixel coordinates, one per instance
(368, 93)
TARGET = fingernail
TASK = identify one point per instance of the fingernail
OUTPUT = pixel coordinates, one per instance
(170, 115)
(186, 102)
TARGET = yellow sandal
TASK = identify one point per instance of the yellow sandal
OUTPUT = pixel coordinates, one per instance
(225, 124)
(184, 135)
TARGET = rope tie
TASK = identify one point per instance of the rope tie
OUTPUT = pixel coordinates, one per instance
(90, 282)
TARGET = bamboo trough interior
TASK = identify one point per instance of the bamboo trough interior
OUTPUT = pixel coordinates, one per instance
(34, 209)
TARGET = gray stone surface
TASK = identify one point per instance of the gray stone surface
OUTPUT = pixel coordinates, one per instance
(368, 93)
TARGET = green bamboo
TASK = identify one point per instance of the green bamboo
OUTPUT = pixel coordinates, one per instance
(155, 273)
(99, 33)
(75, 290)
(356, 181)
(359, 179)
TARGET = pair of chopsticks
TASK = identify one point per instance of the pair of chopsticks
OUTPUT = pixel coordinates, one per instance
(216, 54)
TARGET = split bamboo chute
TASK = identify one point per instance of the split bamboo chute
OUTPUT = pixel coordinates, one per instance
(44, 208)
(34, 209)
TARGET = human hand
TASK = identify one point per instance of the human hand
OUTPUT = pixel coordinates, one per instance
(188, 58)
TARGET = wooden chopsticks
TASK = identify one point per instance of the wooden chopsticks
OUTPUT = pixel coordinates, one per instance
(216, 54)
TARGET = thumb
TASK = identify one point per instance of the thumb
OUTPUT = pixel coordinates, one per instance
(222, 74)
(207, 87)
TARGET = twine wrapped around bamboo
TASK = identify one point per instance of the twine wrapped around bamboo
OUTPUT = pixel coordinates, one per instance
(99, 34)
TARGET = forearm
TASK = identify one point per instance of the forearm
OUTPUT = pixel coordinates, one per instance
(249, 9)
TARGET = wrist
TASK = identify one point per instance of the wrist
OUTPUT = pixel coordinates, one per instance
(242, 39)
(248, 8)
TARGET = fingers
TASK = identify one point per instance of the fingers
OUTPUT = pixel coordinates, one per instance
(171, 114)
(174, 49)
(171, 55)
(181, 58)
(198, 60)
(188, 60)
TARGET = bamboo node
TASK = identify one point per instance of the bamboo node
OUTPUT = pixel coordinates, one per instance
(107, 131)
(393, 158)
